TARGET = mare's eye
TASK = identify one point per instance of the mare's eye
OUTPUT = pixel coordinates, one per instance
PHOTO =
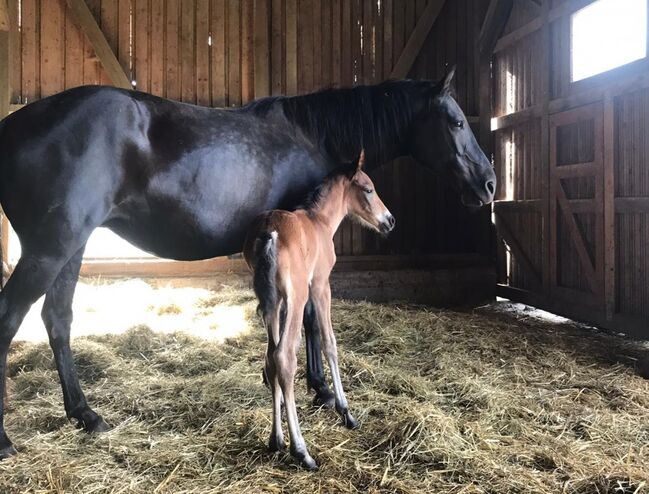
(458, 124)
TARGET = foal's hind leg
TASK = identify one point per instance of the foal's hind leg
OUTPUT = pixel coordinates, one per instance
(57, 316)
(285, 358)
(315, 376)
(33, 275)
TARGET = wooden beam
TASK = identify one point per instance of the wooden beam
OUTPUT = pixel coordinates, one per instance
(495, 20)
(417, 39)
(262, 47)
(88, 25)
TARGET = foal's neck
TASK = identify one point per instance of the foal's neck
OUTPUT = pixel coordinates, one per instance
(331, 208)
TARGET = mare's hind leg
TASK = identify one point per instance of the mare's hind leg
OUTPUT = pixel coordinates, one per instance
(321, 292)
(57, 316)
(315, 376)
(33, 275)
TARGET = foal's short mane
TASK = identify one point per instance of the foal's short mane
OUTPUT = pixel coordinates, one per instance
(316, 196)
(376, 118)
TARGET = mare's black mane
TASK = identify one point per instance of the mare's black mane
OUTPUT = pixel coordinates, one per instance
(343, 121)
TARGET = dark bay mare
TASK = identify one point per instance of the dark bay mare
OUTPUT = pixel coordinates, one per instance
(184, 182)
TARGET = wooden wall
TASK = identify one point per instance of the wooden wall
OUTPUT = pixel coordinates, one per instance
(228, 52)
(573, 208)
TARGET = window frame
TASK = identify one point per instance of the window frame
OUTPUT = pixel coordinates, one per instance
(614, 74)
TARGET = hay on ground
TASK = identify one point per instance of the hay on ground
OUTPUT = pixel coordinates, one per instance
(457, 402)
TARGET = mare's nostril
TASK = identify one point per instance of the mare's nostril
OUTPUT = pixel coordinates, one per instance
(491, 187)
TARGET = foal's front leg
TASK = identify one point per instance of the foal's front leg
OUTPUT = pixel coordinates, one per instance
(321, 296)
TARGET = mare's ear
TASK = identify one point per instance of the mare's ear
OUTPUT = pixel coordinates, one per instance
(444, 85)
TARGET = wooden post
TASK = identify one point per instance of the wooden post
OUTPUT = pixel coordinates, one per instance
(4, 111)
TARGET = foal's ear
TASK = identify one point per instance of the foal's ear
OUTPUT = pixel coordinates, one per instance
(361, 161)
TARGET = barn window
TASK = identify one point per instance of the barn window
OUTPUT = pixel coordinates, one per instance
(607, 34)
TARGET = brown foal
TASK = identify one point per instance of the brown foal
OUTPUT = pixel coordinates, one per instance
(292, 253)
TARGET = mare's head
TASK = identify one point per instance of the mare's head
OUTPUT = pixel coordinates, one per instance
(443, 141)
(364, 204)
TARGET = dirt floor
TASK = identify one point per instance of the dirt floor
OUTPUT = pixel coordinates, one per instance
(496, 400)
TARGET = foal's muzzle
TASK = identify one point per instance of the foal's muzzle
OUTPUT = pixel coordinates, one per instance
(387, 223)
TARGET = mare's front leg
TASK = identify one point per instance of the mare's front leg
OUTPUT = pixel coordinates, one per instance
(321, 296)
(57, 316)
(315, 376)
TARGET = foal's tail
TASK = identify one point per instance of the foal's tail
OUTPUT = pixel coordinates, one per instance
(265, 277)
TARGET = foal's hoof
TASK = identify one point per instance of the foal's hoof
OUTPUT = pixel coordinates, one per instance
(7, 452)
(349, 421)
(276, 444)
(324, 398)
(306, 461)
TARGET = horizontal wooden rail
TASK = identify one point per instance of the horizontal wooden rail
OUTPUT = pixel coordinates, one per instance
(576, 170)
(523, 206)
(632, 204)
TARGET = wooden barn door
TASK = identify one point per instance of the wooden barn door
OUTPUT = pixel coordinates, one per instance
(576, 256)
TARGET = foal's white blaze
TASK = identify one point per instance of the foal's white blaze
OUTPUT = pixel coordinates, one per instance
(383, 217)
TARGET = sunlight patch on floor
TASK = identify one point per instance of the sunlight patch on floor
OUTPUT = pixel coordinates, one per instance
(114, 307)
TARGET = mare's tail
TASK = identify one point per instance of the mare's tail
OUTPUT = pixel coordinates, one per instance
(265, 277)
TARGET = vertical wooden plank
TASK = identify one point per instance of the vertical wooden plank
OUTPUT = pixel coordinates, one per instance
(203, 52)
(74, 40)
(109, 19)
(157, 62)
(91, 66)
(305, 46)
(172, 50)
(367, 42)
(234, 52)
(247, 62)
(142, 39)
(31, 50)
(15, 53)
(52, 47)
(346, 49)
(327, 45)
(317, 53)
(387, 38)
(219, 69)
(609, 206)
(291, 47)
(262, 47)
(188, 51)
(278, 47)
(124, 31)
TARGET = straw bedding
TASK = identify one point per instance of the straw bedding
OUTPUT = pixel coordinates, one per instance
(461, 402)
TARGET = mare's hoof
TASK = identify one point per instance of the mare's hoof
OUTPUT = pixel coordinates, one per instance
(275, 444)
(7, 451)
(92, 423)
(349, 421)
(324, 398)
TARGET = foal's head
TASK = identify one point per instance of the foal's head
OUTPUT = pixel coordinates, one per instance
(364, 204)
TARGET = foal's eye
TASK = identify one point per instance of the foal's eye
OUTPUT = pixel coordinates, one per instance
(458, 124)
(368, 191)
